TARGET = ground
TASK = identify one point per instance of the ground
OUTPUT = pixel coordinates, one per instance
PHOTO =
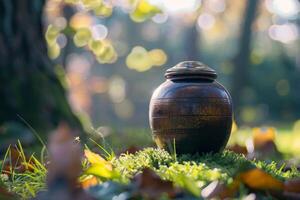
(151, 173)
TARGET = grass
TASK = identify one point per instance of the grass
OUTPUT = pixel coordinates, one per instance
(26, 183)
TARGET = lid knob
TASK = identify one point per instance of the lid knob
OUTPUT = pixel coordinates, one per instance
(191, 69)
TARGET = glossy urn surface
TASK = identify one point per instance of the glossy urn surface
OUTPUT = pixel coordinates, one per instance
(191, 111)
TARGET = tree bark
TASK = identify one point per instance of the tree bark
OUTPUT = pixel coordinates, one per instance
(241, 61)
(191, 43)
(29, 88)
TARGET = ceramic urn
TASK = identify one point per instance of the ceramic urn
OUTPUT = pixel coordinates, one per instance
(191, 112)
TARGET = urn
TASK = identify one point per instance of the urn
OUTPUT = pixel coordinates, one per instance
(191, 112)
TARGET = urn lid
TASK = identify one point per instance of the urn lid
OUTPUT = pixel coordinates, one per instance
(191, 69)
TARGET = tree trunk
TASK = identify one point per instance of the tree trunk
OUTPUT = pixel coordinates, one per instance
(241, 61)
(29, 88)
(191, 43)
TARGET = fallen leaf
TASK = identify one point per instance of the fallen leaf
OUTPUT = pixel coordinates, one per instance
(99, 166)
(230, 190)
(263, 135)
(292, 186)
(290, 196)
(212, 190)
(16, 162)
(220, 190)
(4, 194)
(131, 150)
(152, 187)
(89, 182)
(93, 158)
(260, 180)
(238, 149)
(263, 151)
(100, 170)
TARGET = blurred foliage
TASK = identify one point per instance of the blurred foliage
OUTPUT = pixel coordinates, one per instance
(171, 32)
(82, 31)
(143, 10)
(141, 60)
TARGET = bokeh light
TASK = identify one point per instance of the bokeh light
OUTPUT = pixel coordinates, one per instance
(286, 8)
(99, 32)
(206, 21)
(285, 33)
(283, 87)
(217, 6)
(116, 89)
(141, 60)
(177, 6)
(124, 109)
(80, 20)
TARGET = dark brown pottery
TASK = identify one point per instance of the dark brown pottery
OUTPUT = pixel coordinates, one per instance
(191, 111)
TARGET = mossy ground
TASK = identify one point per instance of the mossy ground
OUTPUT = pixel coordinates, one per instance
(185, 171)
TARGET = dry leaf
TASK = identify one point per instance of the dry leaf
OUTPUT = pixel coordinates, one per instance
(131, 150)
(151, 186)
(230, 190)
(89, 182)
(17, 162)
(218, 189)
(238, 149)
(4, 194)
(263, 135)
(214, 189)
(290, 196)
(260, 180)
(292, 185)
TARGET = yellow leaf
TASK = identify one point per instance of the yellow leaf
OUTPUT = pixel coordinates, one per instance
(93, 158)
(100, 170)
(99, 166)
(260, 180)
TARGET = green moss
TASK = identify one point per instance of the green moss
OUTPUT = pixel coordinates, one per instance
(199, 168)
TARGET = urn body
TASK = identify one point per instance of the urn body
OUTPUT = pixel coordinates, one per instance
(191, 111)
